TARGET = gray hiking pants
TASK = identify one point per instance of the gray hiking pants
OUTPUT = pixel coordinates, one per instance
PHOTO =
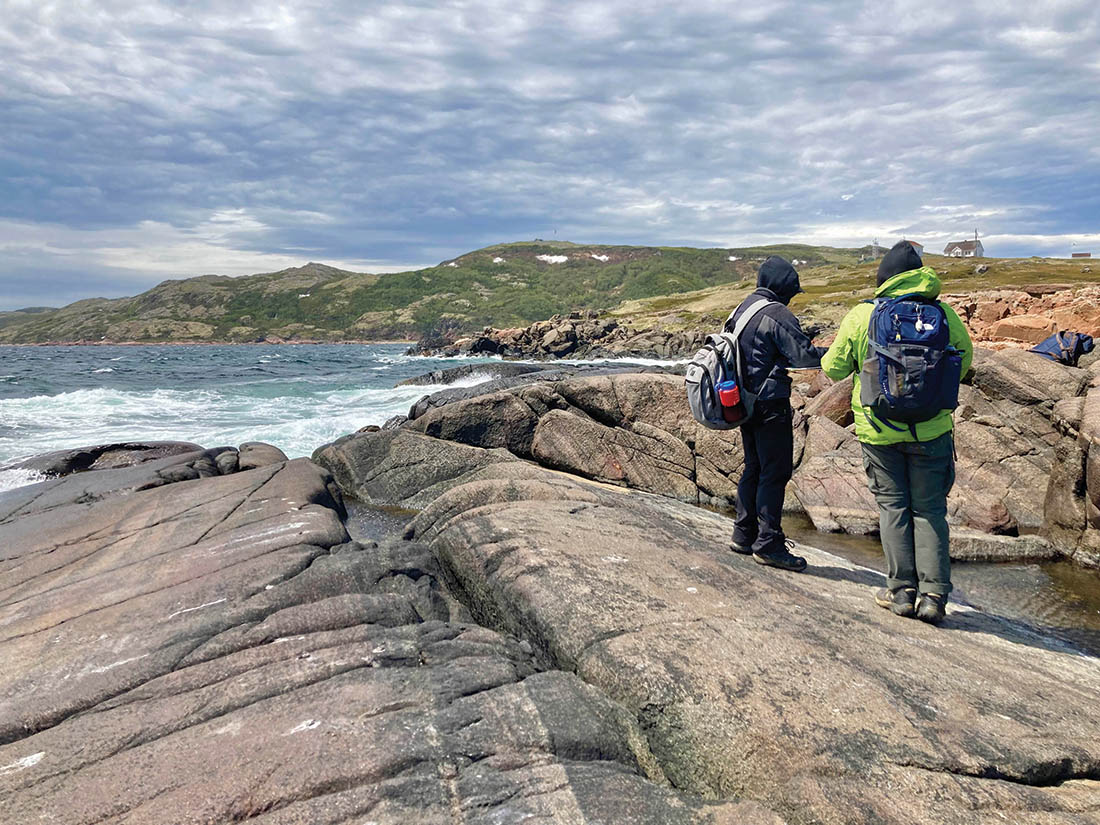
(910, 482)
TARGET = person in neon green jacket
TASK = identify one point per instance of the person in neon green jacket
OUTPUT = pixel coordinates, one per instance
(910, 470)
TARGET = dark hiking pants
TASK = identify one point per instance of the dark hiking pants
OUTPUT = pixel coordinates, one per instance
(910, 482)
(768, 439)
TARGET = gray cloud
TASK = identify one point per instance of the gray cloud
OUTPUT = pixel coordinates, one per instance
(167, 140)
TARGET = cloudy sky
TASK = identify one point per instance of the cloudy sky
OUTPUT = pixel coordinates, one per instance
(144, 141)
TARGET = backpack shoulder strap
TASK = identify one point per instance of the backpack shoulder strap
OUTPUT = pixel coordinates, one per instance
(747, 316)
(739, 328)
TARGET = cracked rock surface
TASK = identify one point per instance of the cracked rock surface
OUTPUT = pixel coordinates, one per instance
(633, 430)
(213, 649)
(626, 429)
(793, 690)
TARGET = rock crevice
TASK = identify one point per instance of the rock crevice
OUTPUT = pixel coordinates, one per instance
(244, 661)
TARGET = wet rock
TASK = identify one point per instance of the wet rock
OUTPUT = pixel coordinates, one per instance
(227, 462)
(500, 419)
(104, 457)
(255, 454)
(449, 376)
(974, 545)
(92, 486)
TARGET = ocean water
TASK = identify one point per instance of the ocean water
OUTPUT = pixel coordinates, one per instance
(295, 397)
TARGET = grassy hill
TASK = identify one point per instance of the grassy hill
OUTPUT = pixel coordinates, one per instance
(18, 316)
(505, 285)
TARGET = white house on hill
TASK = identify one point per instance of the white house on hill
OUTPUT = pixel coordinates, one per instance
(964, 249)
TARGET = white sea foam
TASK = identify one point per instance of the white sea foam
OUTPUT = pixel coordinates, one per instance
(297, 420)
(297, 424)
(11, 479)
(628, 360)
(296, 400)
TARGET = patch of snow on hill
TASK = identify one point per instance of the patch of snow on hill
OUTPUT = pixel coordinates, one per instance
(734, 258)
(498, 260)
(553, 259)
(603, 258)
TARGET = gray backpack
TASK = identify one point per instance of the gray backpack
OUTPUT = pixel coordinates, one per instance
(719, 359)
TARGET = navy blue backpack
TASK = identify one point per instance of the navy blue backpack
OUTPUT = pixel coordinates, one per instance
(1065, 347)
(911, 372)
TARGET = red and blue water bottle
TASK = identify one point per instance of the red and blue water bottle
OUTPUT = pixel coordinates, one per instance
(729, 394)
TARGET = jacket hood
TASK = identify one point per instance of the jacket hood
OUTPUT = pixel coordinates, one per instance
(780, 277)
(901, 258)
(921, 281)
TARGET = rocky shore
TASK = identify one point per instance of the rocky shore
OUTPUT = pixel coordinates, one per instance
(1024, 434)
(579, 335)
(558, 635)
(1003, 318)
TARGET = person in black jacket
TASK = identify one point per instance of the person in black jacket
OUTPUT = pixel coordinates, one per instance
(772, 341)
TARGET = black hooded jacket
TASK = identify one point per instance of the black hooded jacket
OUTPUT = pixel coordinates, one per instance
(901, 258)
(773, 339)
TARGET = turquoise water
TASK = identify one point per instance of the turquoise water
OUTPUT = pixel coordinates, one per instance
(296, 397)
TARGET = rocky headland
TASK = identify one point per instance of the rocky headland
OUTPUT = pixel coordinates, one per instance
(1003, 318)
(558, 634)
(577, 335)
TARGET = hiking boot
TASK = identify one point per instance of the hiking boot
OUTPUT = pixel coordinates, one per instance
(740, 548)
(932, 608)
(899, 600)
(783, 558)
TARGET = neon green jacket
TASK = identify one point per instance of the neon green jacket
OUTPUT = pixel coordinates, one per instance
(849, 350)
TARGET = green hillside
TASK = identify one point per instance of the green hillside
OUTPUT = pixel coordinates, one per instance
(18, 316)
(505, 285)
(832, 288)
